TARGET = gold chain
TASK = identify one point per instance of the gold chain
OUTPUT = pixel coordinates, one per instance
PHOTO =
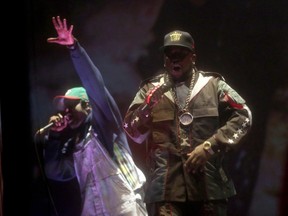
(184, 109)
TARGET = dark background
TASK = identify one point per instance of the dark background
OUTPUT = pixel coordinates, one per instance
(246, 41)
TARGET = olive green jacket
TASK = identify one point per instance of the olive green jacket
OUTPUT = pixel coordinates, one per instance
(220, 116)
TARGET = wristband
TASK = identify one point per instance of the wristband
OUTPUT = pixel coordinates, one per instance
(71, 47)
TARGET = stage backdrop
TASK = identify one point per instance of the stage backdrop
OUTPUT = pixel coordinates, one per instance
(245, 41)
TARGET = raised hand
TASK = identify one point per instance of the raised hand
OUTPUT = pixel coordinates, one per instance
(65, 36)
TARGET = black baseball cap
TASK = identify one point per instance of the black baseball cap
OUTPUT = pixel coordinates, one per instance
(178, 38)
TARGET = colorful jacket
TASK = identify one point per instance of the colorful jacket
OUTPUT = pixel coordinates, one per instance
(220, 116)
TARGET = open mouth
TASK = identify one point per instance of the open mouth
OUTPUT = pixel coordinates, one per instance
(176, 68)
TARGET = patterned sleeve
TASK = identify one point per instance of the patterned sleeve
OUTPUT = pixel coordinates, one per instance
(237, 118)
(138, 117)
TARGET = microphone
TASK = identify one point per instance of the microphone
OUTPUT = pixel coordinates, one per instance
(43, 129)
(158, 91)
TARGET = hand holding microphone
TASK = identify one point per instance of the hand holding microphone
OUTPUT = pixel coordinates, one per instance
(155, 94)
(56, 123)
(59, 122)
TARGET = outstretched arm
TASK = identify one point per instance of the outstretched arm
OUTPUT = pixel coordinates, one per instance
(106, 116)
(100, 98)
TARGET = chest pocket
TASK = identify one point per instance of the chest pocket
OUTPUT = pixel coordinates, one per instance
(163, 115)
(205, 123)
(164, 111)
(205, 112)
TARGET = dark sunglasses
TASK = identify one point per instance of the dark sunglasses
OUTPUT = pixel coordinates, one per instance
(70, 104)
(177, 54)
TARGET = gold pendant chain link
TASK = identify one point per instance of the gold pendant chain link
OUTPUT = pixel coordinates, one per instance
(184, 119)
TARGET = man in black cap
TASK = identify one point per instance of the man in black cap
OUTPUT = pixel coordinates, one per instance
(189, 119)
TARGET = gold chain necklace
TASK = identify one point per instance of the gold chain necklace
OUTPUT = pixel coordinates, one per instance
(185, 117)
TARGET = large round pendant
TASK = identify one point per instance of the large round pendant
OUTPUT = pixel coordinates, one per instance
(186, 118)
